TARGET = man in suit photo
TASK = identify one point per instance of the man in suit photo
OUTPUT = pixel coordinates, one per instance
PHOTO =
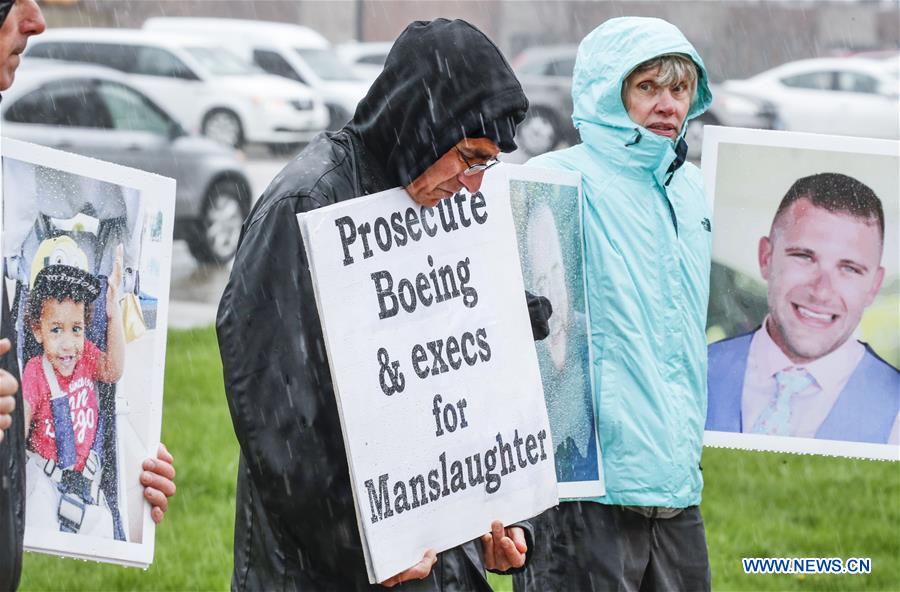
(803, 373)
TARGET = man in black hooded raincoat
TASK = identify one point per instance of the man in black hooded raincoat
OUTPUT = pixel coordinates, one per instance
(445, 104)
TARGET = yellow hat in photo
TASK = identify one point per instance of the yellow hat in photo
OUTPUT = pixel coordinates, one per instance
(60, 250)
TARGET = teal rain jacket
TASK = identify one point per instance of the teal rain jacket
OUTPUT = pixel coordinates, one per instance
(648, 237)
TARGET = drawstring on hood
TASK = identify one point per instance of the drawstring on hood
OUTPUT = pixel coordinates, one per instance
(442, 81)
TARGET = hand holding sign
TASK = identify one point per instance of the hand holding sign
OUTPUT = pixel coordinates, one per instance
(419, 571)
(503, 549)
(8, 387)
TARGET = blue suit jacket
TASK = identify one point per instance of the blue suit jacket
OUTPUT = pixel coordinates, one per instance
(864, 412)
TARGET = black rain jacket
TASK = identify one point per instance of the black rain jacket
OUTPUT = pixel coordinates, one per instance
(12, 455)
(12, 472)
(295, 523)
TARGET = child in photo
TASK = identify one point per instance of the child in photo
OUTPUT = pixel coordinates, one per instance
(63, 418)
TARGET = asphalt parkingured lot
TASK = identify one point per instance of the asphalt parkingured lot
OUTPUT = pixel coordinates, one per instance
(754, 504)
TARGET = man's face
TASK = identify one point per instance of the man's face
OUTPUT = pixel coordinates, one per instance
(446, 176)
(60, 331)
(23, 21)
(823, 271)
(660, 109)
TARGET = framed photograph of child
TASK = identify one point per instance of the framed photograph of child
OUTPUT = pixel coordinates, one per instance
(87, 249)
(803, 317)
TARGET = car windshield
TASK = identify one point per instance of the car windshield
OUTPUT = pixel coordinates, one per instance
(221, 62)
(326, 64)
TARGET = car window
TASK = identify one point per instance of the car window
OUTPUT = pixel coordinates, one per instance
(70, 103)
(131, 111)
(154, 61)
(810, 80)
(563, 67)
(375, 59)
(112, 55)
(221, 62)
(326, 64)
(273, 63)
(855, 82)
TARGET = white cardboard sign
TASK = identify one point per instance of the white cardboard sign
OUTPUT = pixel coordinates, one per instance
(434, 367)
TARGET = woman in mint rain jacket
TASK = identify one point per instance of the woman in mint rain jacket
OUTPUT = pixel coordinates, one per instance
(647, 235)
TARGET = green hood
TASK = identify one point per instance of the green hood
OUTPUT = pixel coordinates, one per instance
(606, 57)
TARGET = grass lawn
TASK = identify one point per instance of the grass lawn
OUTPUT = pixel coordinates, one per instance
(755, 504)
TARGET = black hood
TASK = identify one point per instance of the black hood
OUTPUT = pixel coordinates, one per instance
(5, 5)
(442, 81)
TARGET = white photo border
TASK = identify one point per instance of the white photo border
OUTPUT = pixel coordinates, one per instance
(570, 490)
(162, 191)
(713, 136)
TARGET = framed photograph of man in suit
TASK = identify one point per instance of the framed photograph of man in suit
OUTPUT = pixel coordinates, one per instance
(803, 319)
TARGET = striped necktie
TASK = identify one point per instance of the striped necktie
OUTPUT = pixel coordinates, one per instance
(775, 420)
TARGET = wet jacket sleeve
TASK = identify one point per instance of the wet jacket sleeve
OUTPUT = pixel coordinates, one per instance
(12, 471)
(278, 384)
(539, 311)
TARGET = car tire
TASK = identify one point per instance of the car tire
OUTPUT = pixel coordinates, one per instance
(215, 238)
(223, 126)
(540, 131)
(694, 134)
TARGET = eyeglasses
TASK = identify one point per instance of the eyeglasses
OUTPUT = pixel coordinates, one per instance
(474, 169)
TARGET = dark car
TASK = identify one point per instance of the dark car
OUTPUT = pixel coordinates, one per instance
(93, 111)
(546, 77)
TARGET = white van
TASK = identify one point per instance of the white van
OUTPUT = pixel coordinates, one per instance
(209, 89)
(292, 51)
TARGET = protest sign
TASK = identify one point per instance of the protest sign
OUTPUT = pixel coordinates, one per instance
(547, 212)
(434, 368)
(803, 317)
(87, 247)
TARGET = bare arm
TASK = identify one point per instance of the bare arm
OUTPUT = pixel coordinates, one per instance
(112, 361)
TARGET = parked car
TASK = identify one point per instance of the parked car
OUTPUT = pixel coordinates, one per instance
(291, 51)
(96, 112)
(207, 88)
(366, 59)
(546, 76)
(845, 96)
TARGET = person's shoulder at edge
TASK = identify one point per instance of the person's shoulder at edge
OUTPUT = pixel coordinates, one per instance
(727, 342)
(881, 362)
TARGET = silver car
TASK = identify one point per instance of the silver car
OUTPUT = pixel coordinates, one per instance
(93, 111)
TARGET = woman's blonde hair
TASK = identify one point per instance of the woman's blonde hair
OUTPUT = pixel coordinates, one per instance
(673, 68)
